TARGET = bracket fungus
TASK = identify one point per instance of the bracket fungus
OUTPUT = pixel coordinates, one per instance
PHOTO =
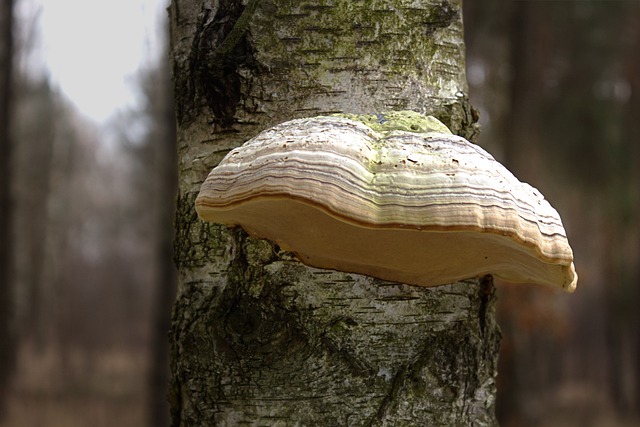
(393, 196)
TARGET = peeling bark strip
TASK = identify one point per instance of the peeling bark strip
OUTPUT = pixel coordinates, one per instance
(259, 339)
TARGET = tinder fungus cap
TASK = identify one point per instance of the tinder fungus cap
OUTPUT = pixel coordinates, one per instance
(393, 196)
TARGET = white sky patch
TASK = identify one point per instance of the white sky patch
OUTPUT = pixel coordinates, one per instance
(93, 48)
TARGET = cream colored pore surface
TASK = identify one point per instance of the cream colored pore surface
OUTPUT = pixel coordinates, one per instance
(418, 257)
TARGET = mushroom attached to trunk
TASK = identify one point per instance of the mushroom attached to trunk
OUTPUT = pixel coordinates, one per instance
(393, 196)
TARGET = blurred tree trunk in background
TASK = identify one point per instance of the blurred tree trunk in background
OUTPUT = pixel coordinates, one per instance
(7, 338)
(526, 56)
(34, 121)
(632, 71)
(259, 338)
(162, 148)
(557, 87)
(506, 53)
(35, 118)
(91, 249)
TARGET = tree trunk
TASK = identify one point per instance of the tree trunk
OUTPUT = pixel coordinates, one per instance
(34, 126)
(260, 339)
(164, 148)
(6, 251)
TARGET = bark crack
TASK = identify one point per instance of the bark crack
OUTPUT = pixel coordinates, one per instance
(356, 366)
(218, 50)
(390, 398)
(487, 293)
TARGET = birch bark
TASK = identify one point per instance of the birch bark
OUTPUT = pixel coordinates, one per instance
(260, 339)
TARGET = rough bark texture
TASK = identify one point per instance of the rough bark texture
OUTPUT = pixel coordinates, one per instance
(257, 337)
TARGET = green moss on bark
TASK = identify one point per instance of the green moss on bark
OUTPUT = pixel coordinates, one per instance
(408, 121)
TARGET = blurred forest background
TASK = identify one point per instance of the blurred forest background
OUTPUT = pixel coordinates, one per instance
(86, 298)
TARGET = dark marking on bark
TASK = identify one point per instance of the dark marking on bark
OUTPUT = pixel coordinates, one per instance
(176, 10)
(190, 340)
(357, 367)
(258, 327)
(452, 378)
(460, 117)
(318, 7)
(487, 296)
(220, 47)
(441, 16)
(255, 330)
(390, 398)
(225, 49)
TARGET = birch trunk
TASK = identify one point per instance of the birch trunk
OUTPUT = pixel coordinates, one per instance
(260, 339)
